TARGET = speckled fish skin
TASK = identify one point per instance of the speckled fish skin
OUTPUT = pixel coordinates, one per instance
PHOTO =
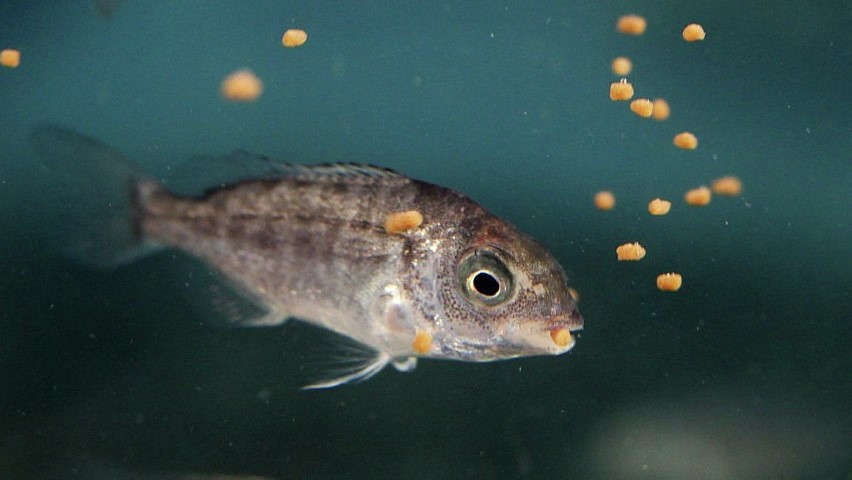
(312, 245)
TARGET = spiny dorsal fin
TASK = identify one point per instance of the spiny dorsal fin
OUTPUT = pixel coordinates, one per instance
(204, 172)
(340, 171)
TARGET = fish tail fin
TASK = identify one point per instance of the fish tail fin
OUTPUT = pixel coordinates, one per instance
(101, 211)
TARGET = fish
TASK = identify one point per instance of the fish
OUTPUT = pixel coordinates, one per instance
(309, 242)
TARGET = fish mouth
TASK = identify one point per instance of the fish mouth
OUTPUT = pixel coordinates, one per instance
(560, 330)
(536, 336)
(551, 337)
(572, 321)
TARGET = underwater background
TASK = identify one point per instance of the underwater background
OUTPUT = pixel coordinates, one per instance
(746, 372)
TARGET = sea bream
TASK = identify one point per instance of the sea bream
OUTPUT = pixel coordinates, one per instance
(309, 242)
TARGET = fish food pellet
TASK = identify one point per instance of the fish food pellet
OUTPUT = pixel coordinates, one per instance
(621, 66)
(294, 37)
(686, 141)
(422, 342)
(631, 25)
(669, 282)
(659, 206)
(242, 86)
(728, 186)
(399, 222)
(642, 107)
(604, 200)
(561, 336)
(661, 109)
(10, 58)
(630, 252)
(693, 33)
(698, 197)
(622, 90)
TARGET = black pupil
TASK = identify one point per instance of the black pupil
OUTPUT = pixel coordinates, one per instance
(486, 284)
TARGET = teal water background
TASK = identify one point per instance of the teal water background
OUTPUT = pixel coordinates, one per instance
(744, 373)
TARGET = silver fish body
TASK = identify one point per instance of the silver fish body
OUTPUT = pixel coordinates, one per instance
(310, 242)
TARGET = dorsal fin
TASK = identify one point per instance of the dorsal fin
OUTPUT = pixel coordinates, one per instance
(204, 172)
(353, 171)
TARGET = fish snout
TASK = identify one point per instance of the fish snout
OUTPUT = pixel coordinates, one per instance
(560, 328)
(553, 336)
(573, 321)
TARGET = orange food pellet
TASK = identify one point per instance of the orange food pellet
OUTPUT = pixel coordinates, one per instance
(659, 207)
(621, 66)
(630, 252)
(622, 90)
(631, 25)
(399, 222)
(642, 107)
(661, 109)
(422, 342)
(561, 336)
(10, 58)
(604, 200)
(669, 282)
(698, 197)
(294, 38)
(729, 186)
(242, 86)
(686, 141)
(693, 32)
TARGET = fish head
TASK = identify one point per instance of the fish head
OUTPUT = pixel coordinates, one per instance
(503, 296)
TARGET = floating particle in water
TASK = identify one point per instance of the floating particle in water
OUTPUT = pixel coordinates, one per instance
(631, 252)
(242, 86)
(621, 90)
(698, 197)
(399, 222)
(729, 186)
(686, 141)
(642, 107)
(659, 206)
(693, 33)
(604, 200)
(422, 342)
(661, 109)
(294, 37)
(631, 25)
(10, 58)
(561, 336)
(621, 66)
(669, 282)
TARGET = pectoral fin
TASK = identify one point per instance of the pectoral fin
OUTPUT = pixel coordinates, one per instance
(356, 370)
(219, 301)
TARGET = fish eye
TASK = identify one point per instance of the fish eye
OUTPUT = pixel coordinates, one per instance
(484, 282)
(485, 279)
